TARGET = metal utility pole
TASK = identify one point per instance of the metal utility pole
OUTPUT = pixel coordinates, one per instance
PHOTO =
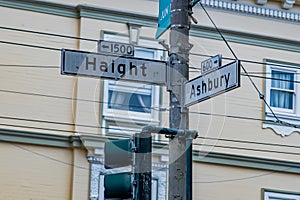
(180, 150)
(142, 166)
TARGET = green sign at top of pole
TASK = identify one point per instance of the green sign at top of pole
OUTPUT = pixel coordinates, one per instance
(195, 2)
(164, 17)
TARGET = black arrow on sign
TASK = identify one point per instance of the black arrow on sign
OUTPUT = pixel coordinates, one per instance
(105, 46)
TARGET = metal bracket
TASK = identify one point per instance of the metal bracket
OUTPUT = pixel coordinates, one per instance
(162, 43)
(180, 26)
(171, 132)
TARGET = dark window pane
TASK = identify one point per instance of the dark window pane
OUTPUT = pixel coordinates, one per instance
(281, 99)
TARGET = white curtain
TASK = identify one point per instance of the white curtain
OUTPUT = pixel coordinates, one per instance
(282, 90)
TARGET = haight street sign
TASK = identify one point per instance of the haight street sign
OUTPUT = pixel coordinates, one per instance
(115, 48)
(113, 67)
(217, 82)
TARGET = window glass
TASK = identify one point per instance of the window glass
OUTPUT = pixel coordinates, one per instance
(131, 105)
(131, 97)
(282, 80)
(127, 99)
(282, 90)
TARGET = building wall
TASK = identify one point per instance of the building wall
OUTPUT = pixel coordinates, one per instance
(228, 182)
(36, 172)
(32, 74)
(45, 109)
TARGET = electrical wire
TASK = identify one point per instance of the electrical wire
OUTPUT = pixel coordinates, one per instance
(129, 130)
(49, 157)
(250, 61)
(68, 37)
(197, 144)
(160, 109)
(82, 100)
(271, 78)
(30, 45)
(61, 123)
(194, 68)
(248, 142)
(242, 74)
(247, 149)
(245, 118)
(238, 179)
(138, 46)
(194, 182)
(56, 49)
(92, 40)
(261, 96)
(47, 34)
(30, 66)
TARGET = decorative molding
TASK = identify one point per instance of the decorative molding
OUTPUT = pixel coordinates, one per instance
(67, 141)
(116, 16)
(247, 162)
(281, 130)
(251, 9)
(246, 38)
(42, 7)
(151, 21)
(73, 141)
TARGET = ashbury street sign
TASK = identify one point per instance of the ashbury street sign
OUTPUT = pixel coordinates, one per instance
(219, 81)
(113, 67)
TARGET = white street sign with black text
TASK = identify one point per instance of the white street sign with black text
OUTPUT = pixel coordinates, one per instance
(113, 67)
(217, 82)
(211, 64)
(115, 48)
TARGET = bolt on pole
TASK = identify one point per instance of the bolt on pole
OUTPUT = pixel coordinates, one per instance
(180, 150)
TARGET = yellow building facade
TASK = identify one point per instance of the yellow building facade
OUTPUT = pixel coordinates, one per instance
(53, 127)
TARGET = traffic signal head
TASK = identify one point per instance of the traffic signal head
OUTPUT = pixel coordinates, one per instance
(117, 153)
(120, 153)
(118, 185)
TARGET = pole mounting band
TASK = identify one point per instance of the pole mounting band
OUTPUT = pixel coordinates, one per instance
(180, 26)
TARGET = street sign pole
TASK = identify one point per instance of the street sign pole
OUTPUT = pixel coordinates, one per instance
(180, 151)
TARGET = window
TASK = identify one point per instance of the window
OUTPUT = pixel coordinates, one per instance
(283, 95)
(282, 90)
(280, 196)
(129, 105)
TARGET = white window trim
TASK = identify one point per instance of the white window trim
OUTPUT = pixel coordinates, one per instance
(280, 196)
(131, 117)
(125, 116)
(286, 115)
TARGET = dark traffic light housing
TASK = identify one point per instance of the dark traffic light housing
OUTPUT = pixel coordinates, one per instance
(136, 152)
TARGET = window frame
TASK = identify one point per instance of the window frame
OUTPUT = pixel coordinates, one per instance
(289, 115)
(279, 195)
(269, 76)
(124, 117)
